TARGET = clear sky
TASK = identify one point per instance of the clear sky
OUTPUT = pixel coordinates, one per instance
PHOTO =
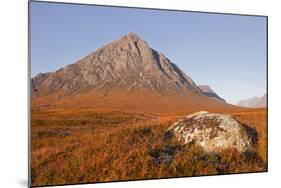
(227, 52)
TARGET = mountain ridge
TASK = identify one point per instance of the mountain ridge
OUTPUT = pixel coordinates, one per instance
(254, 102)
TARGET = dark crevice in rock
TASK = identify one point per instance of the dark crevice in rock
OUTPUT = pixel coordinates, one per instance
(137, 47)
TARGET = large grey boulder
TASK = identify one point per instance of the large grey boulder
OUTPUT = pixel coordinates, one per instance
(212, 132)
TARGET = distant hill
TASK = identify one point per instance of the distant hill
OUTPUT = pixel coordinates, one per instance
(125, 74)
(254, 102)
(207, 90)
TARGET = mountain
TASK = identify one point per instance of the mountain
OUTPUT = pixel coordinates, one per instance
(125, 74)
(209, 92)
(255, 102)
(128, 63)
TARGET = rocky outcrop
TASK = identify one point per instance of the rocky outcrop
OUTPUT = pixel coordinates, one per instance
(213, 132)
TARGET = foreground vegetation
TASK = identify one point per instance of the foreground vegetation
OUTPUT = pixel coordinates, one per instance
(84, 146)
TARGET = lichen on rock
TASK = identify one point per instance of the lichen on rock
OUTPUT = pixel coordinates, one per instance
(212, 131)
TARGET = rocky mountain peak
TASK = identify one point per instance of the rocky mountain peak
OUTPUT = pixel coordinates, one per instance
(208, 91)
(131, 36)
(132, 43)
(127, 63)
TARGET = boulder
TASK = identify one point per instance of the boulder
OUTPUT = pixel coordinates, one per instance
(212, 131)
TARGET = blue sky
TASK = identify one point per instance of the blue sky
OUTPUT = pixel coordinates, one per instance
(227, 52)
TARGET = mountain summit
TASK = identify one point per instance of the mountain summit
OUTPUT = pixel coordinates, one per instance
(125, 71)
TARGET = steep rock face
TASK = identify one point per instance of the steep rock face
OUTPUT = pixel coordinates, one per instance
(127, 64)
(209, 92)
(255, 102)
(213, 132)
